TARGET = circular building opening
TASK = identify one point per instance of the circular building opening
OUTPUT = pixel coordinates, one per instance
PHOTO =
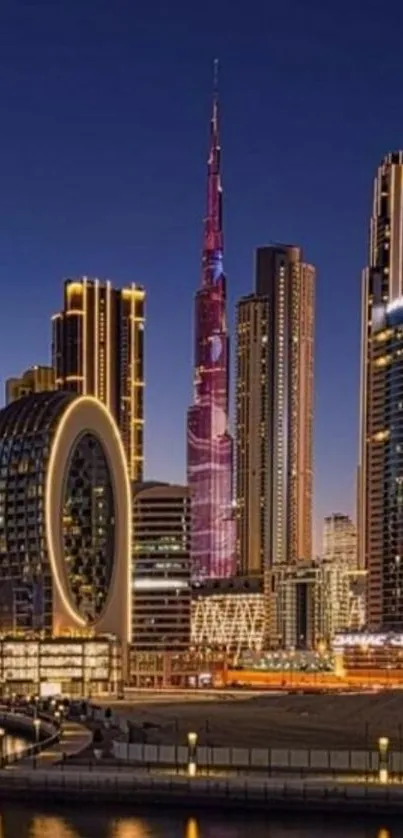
(88, 527)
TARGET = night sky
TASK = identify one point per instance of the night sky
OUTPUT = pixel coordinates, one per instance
(105, 108)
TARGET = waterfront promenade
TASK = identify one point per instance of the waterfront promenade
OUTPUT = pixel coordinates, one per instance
(74, 739)
(231, 777)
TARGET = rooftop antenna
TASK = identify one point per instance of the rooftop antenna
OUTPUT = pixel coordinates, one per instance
(215, 78)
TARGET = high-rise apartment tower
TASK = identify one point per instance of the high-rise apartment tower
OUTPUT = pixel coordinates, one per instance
(274, 412)
(209, 444)
(381, 472)
(384, 470)
(252, 473)
(98, 350)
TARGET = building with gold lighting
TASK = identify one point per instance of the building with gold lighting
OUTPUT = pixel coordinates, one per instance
(98, 350)
(37, 379)
(228, 615)
(274, 418)
(65, 519)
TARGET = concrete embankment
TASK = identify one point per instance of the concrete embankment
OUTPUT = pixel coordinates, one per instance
(257, 793)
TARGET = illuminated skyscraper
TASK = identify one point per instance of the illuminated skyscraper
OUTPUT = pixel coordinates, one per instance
(98, 350)
(381, 467)
(252, 441)
(384, 470)
(274, 425)
(36, 379)
(275, 357)
(209, 444)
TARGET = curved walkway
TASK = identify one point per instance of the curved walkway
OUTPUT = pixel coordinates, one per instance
(74, 739)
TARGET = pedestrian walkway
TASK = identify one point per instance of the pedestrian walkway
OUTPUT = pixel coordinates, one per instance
(75, 738)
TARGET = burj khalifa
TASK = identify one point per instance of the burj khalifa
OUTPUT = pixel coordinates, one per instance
(209, 443)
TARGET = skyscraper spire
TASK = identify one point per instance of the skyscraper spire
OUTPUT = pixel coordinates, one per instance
(215, 82)
(213, 235)
(209, 443)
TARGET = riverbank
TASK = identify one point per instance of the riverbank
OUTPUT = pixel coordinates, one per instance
(230, 793)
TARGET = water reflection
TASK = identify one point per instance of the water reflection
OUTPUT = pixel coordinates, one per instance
(93, 823)
(131, 828)
(192, 829)
(51, 827)
(13, 744)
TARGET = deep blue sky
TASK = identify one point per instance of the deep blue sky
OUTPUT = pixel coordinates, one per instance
(103, 143)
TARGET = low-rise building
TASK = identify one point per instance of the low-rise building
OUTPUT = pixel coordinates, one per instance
(371, 653)
(158, 670)
(68, 666)
(229, 614)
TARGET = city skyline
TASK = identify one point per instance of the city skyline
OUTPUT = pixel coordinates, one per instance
(121, 228)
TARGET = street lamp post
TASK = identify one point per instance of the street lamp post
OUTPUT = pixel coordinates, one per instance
(192, 754)
(2, 735)
(37, 725)
(383, 745)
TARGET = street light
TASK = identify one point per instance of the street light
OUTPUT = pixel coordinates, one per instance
(2, 735)
(383, 745)
(37, 724)
(192, 753)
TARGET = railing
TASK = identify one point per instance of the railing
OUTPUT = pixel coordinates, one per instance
(268, 761)
(24, 723)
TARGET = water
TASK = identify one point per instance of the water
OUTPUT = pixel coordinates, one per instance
(27, 822)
